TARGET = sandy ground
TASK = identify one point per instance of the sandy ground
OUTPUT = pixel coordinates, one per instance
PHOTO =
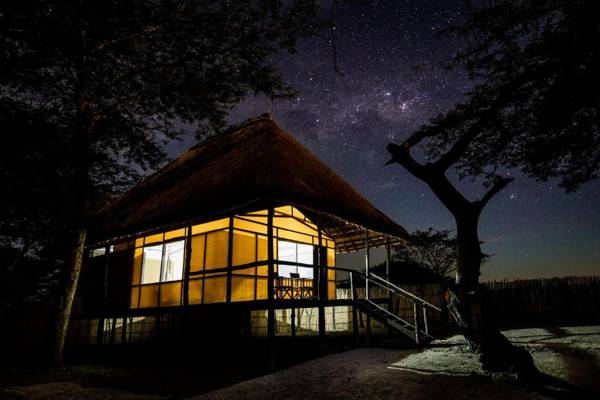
(443, 371)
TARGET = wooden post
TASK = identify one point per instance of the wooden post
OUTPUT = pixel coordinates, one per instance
(387, 276)
(387, 258)
(352, 296)
(367, 264)
(293, 321)
(416, 318)
(113, 330)
(425, 322)
(186, 280)
(188, 263)
(354, 311)
(105, 283)
(270, 288)
(124, 331)
(321, 283)
(229, 259)
(100, 332)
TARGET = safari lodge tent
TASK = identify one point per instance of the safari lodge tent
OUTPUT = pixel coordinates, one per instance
(243, 228)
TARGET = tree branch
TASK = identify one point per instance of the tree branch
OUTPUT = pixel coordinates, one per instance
(499, 184)
(401, 155)
(435, 179)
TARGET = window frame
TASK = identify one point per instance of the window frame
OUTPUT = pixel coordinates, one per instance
(162, 261)
(295, 267)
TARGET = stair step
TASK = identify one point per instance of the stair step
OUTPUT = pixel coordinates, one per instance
(386, 317)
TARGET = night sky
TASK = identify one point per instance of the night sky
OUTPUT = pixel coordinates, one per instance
(387, 52)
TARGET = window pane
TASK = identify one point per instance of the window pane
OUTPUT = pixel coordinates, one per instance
(286, 251)
(195, 291)
(305, 272)
(137, 266)
(242, 288)
(215, 289)
(216, 250)
(149, 296)
(173, 265)
(244, 248)
(151, 264)
(197, 261)
(305, 254)
(285, 270)
(262, 248)
(170, 294)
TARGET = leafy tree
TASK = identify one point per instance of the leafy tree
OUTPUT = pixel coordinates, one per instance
(30, 178)
(110, 81)
(434, 250)
(533, 107)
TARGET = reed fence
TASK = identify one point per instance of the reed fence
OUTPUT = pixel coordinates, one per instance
(568, 300)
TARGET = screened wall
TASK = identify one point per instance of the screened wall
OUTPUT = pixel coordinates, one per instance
(228, 261)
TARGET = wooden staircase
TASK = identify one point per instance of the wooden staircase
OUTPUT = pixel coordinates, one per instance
(417, 330)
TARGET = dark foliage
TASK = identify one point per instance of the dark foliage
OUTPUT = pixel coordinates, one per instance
(434, 250)
(535, 106)
(90, 91)
(129, 74)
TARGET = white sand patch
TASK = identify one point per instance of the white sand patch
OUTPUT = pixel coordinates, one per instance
(442, 361)
(447, 370)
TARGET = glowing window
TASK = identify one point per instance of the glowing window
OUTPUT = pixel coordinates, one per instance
(172, 269)
(297, 253)
(163, 262)
(151, 264)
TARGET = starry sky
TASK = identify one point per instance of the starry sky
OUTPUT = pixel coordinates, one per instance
(390, 84)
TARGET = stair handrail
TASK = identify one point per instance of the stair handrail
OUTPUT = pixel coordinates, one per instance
(389, 285)
(390, 313)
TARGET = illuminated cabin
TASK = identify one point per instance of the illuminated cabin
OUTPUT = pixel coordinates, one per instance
(247, 219)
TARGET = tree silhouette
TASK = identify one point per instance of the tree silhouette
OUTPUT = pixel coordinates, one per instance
(111, 81)
(534, 107)
(434, 250)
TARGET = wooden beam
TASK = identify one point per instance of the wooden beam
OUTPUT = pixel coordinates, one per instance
(229, 260)
(271, 274)
(188, 262)
(367, 264)
(321, 282)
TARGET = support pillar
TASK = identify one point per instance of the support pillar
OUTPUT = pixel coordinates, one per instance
(270, 288)
(186, 281)
(229, 260)
(387, 276)
(367, 273)
(100, 332)
(321, 283)
(354, 311)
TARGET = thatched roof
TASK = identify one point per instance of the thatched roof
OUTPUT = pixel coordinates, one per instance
(249, 167)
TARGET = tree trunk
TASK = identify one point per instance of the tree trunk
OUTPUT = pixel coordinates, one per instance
(471, 311)
(71, 278)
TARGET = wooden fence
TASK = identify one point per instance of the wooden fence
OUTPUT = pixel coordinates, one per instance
(554, 301)
(568, 300)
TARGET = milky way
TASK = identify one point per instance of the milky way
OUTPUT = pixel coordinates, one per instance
(388, 53)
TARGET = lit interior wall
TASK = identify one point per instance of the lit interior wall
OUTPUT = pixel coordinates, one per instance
(209, 262)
